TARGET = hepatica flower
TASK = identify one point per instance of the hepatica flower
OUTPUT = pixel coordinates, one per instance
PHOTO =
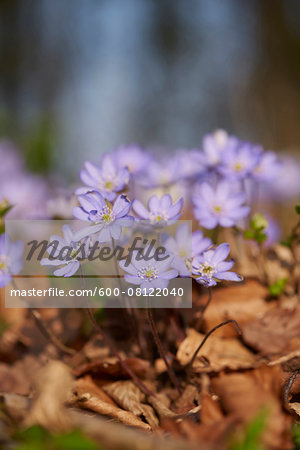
(239, 161)
(211, 267)
(149, 272)
(215, 146)
(105, 219)
(133, 158)
(220, 206)
(11, 261)
(67, 253)
(161, 211)
(107, 179)
(268, 168)
(184, 246)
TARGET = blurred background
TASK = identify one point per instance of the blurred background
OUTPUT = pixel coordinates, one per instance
(79, 78)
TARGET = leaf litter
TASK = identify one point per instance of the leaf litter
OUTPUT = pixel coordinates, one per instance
(233, 380)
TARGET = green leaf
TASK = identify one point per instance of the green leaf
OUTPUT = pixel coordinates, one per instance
(249, 234)
(37, 438)
(297, 208)
(74, 441)
(278, 287)
(4, 207)
(251, 438)
(259, 222)
(296, 435)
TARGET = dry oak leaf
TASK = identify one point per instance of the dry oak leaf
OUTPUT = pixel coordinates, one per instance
(15, 405)
(246, 394)
(93, 402)
(112, 367)
(278, 331)
(86, 384)
(53, 386)
(19, 377)
(219, 353)
(294, 406)
(127, 395)
(244, 303)
(188, 400)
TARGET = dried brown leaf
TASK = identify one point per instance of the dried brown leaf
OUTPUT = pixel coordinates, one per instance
(15, 405)
(210, 410)
(131, 398)
(243, 303)
(219, 353)
(19, 377)
(246, 394)
(188, 400)
(86, 384)
(112, 367)
(159, 405)
(94, 403)
(53, 386)
(295, 407)
(276, 332)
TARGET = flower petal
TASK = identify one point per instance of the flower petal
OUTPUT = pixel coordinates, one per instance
(221, 253)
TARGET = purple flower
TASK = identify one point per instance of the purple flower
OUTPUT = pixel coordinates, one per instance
(183, 165)
(28, 194)
(11, 261)
(287, 184)
(67, 254)
(272, 231)
(160, 211)
(214, 146)
(184, 246)
(221, 206)
(268, 168)
(106, 219)
(11, 162)
(239, 161)
(159, 173)
(148, 273)
(107, 179)
(211, 267)
(132, 157)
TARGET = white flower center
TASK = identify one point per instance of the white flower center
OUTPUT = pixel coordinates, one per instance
(107, 215)
(148, 273)
(158, 216)
(106, 185)
(183, 253)
(208, 270)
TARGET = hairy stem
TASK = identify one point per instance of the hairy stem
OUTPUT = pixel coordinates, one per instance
(161, 349)
(115, 352)
(190, 364)
(113, 349)
(203, 309)
(45, 330)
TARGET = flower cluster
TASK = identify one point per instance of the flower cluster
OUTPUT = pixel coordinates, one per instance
(11, 261)
(221, 176)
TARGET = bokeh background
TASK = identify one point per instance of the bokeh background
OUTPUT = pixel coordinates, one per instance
(79, 78)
